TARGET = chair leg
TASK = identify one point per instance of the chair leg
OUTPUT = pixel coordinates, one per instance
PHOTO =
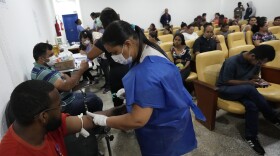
(104, 133)
(108, 139)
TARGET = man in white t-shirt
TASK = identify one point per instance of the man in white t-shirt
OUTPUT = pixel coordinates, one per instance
(190, 34)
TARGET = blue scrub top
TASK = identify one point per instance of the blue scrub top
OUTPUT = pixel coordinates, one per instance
(157, 83)
(80, 29)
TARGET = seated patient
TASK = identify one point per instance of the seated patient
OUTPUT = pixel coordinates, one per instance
(72, 102)
(40, 127)
(238, 80)
(181, 55)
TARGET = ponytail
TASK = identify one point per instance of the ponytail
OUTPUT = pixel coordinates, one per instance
(143, 40)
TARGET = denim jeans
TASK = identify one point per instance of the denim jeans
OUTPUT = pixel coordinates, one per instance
(77, 106)
(253, 101)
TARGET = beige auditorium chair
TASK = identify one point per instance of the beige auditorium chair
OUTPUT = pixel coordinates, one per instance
(275, 30)
(217, 31)
(190, 43)
(270, 23)
(174, 31)
(249, 35)
(199, 32)
(243, 26)
(223, 45)
(146, 34)
(196, 29)
(242, 22)
(176, 27)
(166, 38)
(208, 66)
(234, 28)
(239, 49)
(236, 39)
(271, 70)
(160, 32)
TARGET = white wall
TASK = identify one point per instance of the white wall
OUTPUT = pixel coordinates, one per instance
(145, 12)
(22, 25)
(65, 7)
(268, 8)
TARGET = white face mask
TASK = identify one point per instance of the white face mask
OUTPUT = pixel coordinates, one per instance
(120, 58)
(51, 61)
(86, 42)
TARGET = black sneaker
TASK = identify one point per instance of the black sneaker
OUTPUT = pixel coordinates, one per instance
(254, 143)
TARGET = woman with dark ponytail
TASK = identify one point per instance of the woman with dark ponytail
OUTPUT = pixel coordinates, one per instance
(157, 103)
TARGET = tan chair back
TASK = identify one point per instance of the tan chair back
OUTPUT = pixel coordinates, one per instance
(208, 66)
(275, 30)
(176, 27)
(236, 39)
(190, 43)
(160, 32)
(239, 49)
(223, 45)
(249, 35)
(166, 46)
(270, 23)
(199, 33)
(166, 38)
(196, 29)
(146, 34)
(243, 26)
(217, 31)
(170, 57)
(276, 45)
(242, 22)
(234, 28)
(174, 31)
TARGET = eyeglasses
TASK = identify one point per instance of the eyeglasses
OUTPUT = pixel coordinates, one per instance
(48, 109)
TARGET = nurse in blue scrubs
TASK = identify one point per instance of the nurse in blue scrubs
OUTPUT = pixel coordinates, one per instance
(158, 105)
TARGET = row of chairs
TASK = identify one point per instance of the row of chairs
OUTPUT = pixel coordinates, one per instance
(208, 66)
(238, 38)
(234, 39)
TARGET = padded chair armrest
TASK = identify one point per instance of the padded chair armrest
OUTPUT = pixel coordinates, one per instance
(270, 74)
(206, 85)
(207, 97)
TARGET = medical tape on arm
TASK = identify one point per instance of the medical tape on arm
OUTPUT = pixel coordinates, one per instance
(83, 132)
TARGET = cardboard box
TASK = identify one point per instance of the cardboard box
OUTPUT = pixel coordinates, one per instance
(65, 65)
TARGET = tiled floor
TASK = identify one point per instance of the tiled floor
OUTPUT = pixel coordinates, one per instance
(225, 140)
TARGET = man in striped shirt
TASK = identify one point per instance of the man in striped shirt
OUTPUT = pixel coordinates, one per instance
(73, 103)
